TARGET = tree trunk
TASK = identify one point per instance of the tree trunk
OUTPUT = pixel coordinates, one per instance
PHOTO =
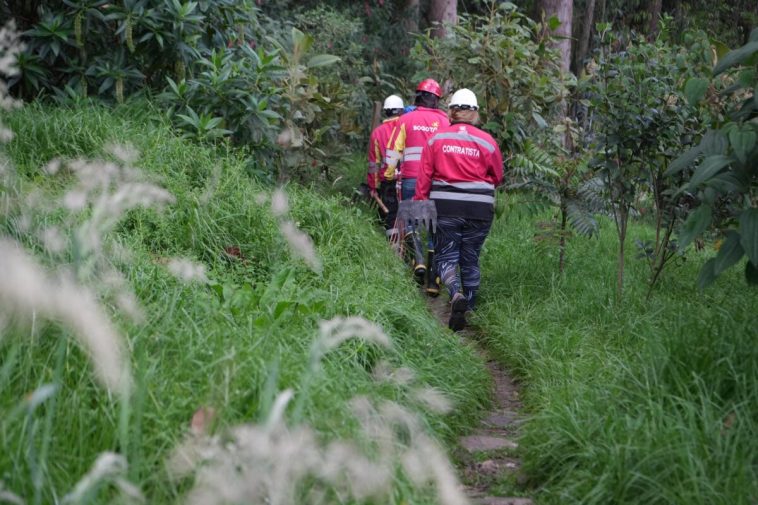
(622, 226)
(655, 16)
(444, 12)
(376, 117)
(562, 239)
(411, 16)
(584, 37)
(564, 11)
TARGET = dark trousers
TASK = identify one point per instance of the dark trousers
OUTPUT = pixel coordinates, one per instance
(457, 244)
(388, 193)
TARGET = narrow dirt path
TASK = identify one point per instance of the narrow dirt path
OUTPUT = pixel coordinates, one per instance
(486, 462)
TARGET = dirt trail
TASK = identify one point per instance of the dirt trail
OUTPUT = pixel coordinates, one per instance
(486, 462)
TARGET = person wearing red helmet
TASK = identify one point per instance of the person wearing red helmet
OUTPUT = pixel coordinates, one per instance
(461, 167)
(413, 131)
(380, 187)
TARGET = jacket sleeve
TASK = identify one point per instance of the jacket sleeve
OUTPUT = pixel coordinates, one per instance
(374, 154)
(424, 179)
(395, 151)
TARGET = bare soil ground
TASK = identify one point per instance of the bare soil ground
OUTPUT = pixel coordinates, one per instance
(487, 461)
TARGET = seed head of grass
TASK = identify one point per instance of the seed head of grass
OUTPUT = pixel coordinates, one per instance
(9, 497)
(107, 468)
(187, 271)
(273, 462)
(27, 291)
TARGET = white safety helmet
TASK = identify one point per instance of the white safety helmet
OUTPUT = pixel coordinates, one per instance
(464, 99)
(393, 102)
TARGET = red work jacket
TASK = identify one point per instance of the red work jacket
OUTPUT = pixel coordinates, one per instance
(413, 131)
(377, 151)
(461, 167)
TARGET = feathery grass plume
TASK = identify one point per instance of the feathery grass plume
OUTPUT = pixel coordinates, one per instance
(108, 468)
(186, 270)
(339, 329)
(280, 464)
(27, 291)
(433, 399)
(8, 497)
(9, 50)
(299, 242)
(383, 372)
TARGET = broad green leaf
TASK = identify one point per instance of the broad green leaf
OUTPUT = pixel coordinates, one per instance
(322, 60)
(727, 182)
(696, 223)
(751, 273)
(281, 307)
(721, 48)
(684, 160)
(553, 23)
(747, 77)
(695, 89)
(736, 57)
(743, 141)
(539, 120)
(714, 142)
(709, 167)
(749, 233)
(730, 253)
(707, 274)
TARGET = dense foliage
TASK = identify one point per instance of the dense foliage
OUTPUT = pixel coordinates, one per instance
(636, 121)
(725, 180)
(223, 70)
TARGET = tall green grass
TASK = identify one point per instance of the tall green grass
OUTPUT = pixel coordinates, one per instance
(220, 345)
(644, 401)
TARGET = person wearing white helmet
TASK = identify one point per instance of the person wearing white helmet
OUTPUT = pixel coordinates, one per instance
(379, 186)
(460, 169)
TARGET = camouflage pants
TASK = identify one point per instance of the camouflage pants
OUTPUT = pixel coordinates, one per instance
(457, 244)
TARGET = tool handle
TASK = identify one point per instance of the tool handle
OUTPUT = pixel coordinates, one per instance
(380, 203)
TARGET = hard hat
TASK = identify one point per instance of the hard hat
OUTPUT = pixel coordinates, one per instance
(430, 86)
(393, 102)
(464, 99)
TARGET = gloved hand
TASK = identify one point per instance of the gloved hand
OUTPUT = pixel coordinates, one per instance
(414, 212)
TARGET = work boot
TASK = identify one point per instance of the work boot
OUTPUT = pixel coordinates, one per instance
(458, 308)
(432, 285)
(419, 272)
(432, 281)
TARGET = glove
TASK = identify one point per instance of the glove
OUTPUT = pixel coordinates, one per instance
(413, 212)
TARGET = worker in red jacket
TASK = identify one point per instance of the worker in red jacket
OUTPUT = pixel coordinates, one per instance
(379, 185)
(414, 129)
(461, 167)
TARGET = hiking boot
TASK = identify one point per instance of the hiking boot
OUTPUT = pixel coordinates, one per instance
(432, 281)
(433, 285)
(419, 272)
(458, 308)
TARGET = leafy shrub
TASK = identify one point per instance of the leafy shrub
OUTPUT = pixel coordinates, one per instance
(726, 168)
(637, 119)
(223, 70)
(508, 65)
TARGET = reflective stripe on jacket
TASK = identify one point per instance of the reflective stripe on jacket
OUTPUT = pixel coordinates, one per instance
(413, 131)
(377, 151)
(461, 167)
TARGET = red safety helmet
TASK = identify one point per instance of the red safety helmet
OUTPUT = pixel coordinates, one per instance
(430, 86)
